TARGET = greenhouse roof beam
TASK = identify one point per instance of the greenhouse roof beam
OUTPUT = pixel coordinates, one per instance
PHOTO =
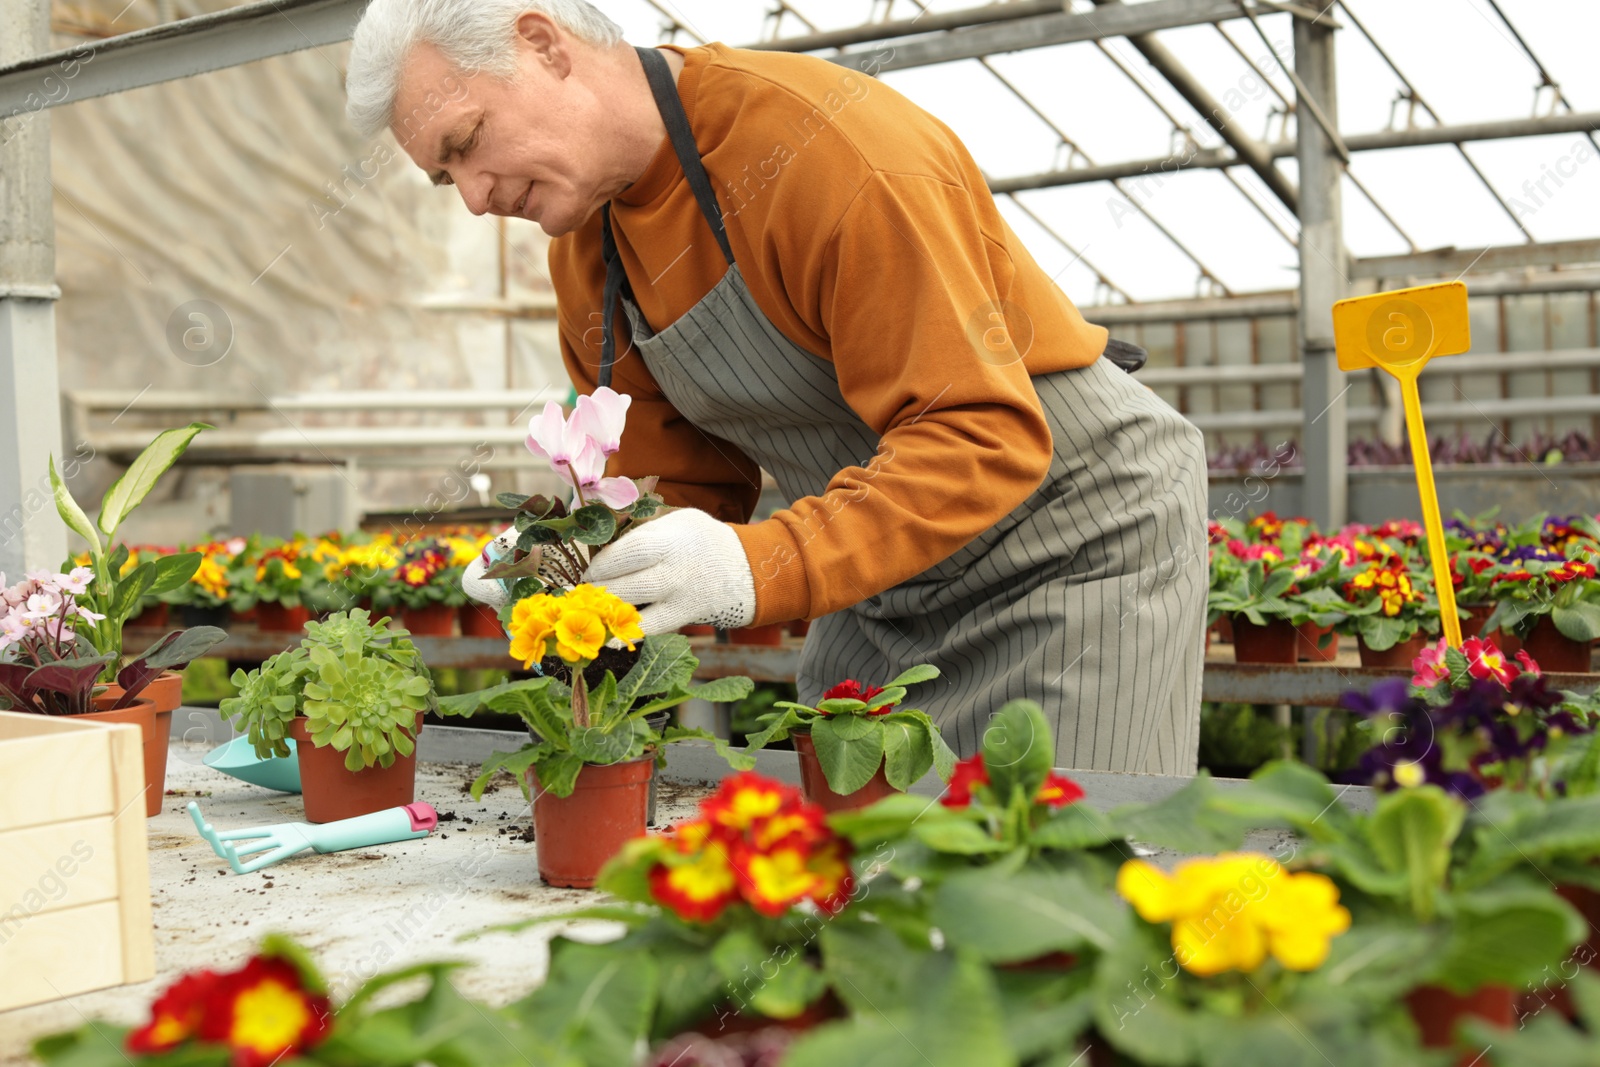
(173, 50)
(1249, 151)
(1442, 262)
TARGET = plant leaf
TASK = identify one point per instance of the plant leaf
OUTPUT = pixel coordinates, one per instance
(128, 491)
(596, 524)
(1025, 916)
(847, 764)
(907, 753)
(71, 513)
(1018, 749)
(923, 672)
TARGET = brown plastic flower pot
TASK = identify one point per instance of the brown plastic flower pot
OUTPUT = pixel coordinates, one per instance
(799, 628)
(277, 619)
(155, 730)
(814, 784)
(332, 792)
(1477, 615)
(1554, 650)
(435, 620)
(1438, 1011)
(479, 621)
(575, 835)
(1276, 642)
(766, 636)
(1224, 628)
(1310, 636)
(1400, 655)
(698, 630)
(153, 617)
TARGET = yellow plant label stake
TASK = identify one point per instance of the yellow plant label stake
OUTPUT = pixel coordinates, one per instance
(1398, 332)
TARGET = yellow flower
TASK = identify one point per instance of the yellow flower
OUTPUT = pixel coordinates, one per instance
(533, 624)
(211, 577)
(580, 635)
(620, 617)
(1229, 912)
(463, 550)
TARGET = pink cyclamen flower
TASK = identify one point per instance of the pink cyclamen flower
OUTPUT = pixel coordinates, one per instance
(601, 416)
(1429, 669)
(552, 437)
(587, 474)
(1528, 664)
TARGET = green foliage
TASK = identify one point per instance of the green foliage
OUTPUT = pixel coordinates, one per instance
(661, 678)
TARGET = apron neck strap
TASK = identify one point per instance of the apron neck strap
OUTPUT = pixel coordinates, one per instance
(670, 105)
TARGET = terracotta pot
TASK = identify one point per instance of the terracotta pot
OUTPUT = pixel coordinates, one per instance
(1310, 634)
(277, 619)
(1437, 1011)
(333, 792)
(799, 627)
(1400, 655)
(154, 617)
(479, 621)
(1477, 615)
(155, 731)
(697, 630)
(575, 835)
(1555, 651)
(814, 784)
(1276, 642)
(768, 636)
(435, 620)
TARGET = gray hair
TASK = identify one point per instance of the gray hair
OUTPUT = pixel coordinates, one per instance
(474, 35)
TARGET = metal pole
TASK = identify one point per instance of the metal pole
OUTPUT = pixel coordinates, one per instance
(1322, 278)
(31, 536)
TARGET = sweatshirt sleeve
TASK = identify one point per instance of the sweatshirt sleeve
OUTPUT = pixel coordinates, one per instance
(910, 286)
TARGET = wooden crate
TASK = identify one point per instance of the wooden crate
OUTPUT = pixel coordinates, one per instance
(74, 860)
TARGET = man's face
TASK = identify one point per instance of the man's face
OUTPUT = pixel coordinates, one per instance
(523, 147)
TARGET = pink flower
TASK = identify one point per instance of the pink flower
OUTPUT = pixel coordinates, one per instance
(1429, 669)
(601, 416)
(13, 630)
(41, 606)
(552, 438)
(1528, 664)
(1485, 660)
(76, 582)
(586, 473)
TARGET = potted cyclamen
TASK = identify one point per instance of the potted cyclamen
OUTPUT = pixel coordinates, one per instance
(595, 749)
(428, 589)
(45, 670)
(857, 745)
(352, 695)
(1550, 602)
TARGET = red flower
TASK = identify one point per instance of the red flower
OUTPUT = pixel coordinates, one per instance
(262, 1012)
(849, 689)
(1485, 660)
(1058, 791)
(176, 1015)
(969, 773)
(1528, 663)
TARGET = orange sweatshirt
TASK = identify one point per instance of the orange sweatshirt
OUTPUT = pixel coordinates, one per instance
(868, 236)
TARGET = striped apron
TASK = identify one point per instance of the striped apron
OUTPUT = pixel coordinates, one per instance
(1088, 598)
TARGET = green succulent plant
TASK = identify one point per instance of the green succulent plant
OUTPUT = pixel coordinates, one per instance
(360, 684)
(364, 706)
(269, 699)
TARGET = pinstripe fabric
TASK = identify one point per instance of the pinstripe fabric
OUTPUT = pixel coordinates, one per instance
(1088, 598)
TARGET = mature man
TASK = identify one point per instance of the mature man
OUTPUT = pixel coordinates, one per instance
(788, 265)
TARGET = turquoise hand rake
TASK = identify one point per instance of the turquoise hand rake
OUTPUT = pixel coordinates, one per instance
(255, 847)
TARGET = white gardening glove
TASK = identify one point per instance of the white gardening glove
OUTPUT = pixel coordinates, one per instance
(490, 591)
(682, 568)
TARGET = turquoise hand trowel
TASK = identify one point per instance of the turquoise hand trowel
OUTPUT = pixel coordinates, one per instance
(238, 758)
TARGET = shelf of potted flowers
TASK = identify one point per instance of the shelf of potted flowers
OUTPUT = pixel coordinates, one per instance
(858, 745)
(204, 600)
(1390, 608)
(426, 586)
(475, 619)
(352, 695)
(279, 588)
(1549, 600)
(596, 738)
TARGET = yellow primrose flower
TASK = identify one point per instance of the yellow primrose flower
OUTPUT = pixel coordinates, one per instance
(1229, 912)
(533, 624)
(580, 635)
(211, 577)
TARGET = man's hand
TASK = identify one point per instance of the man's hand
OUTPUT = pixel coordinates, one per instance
(490, 591)
(682, 568)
